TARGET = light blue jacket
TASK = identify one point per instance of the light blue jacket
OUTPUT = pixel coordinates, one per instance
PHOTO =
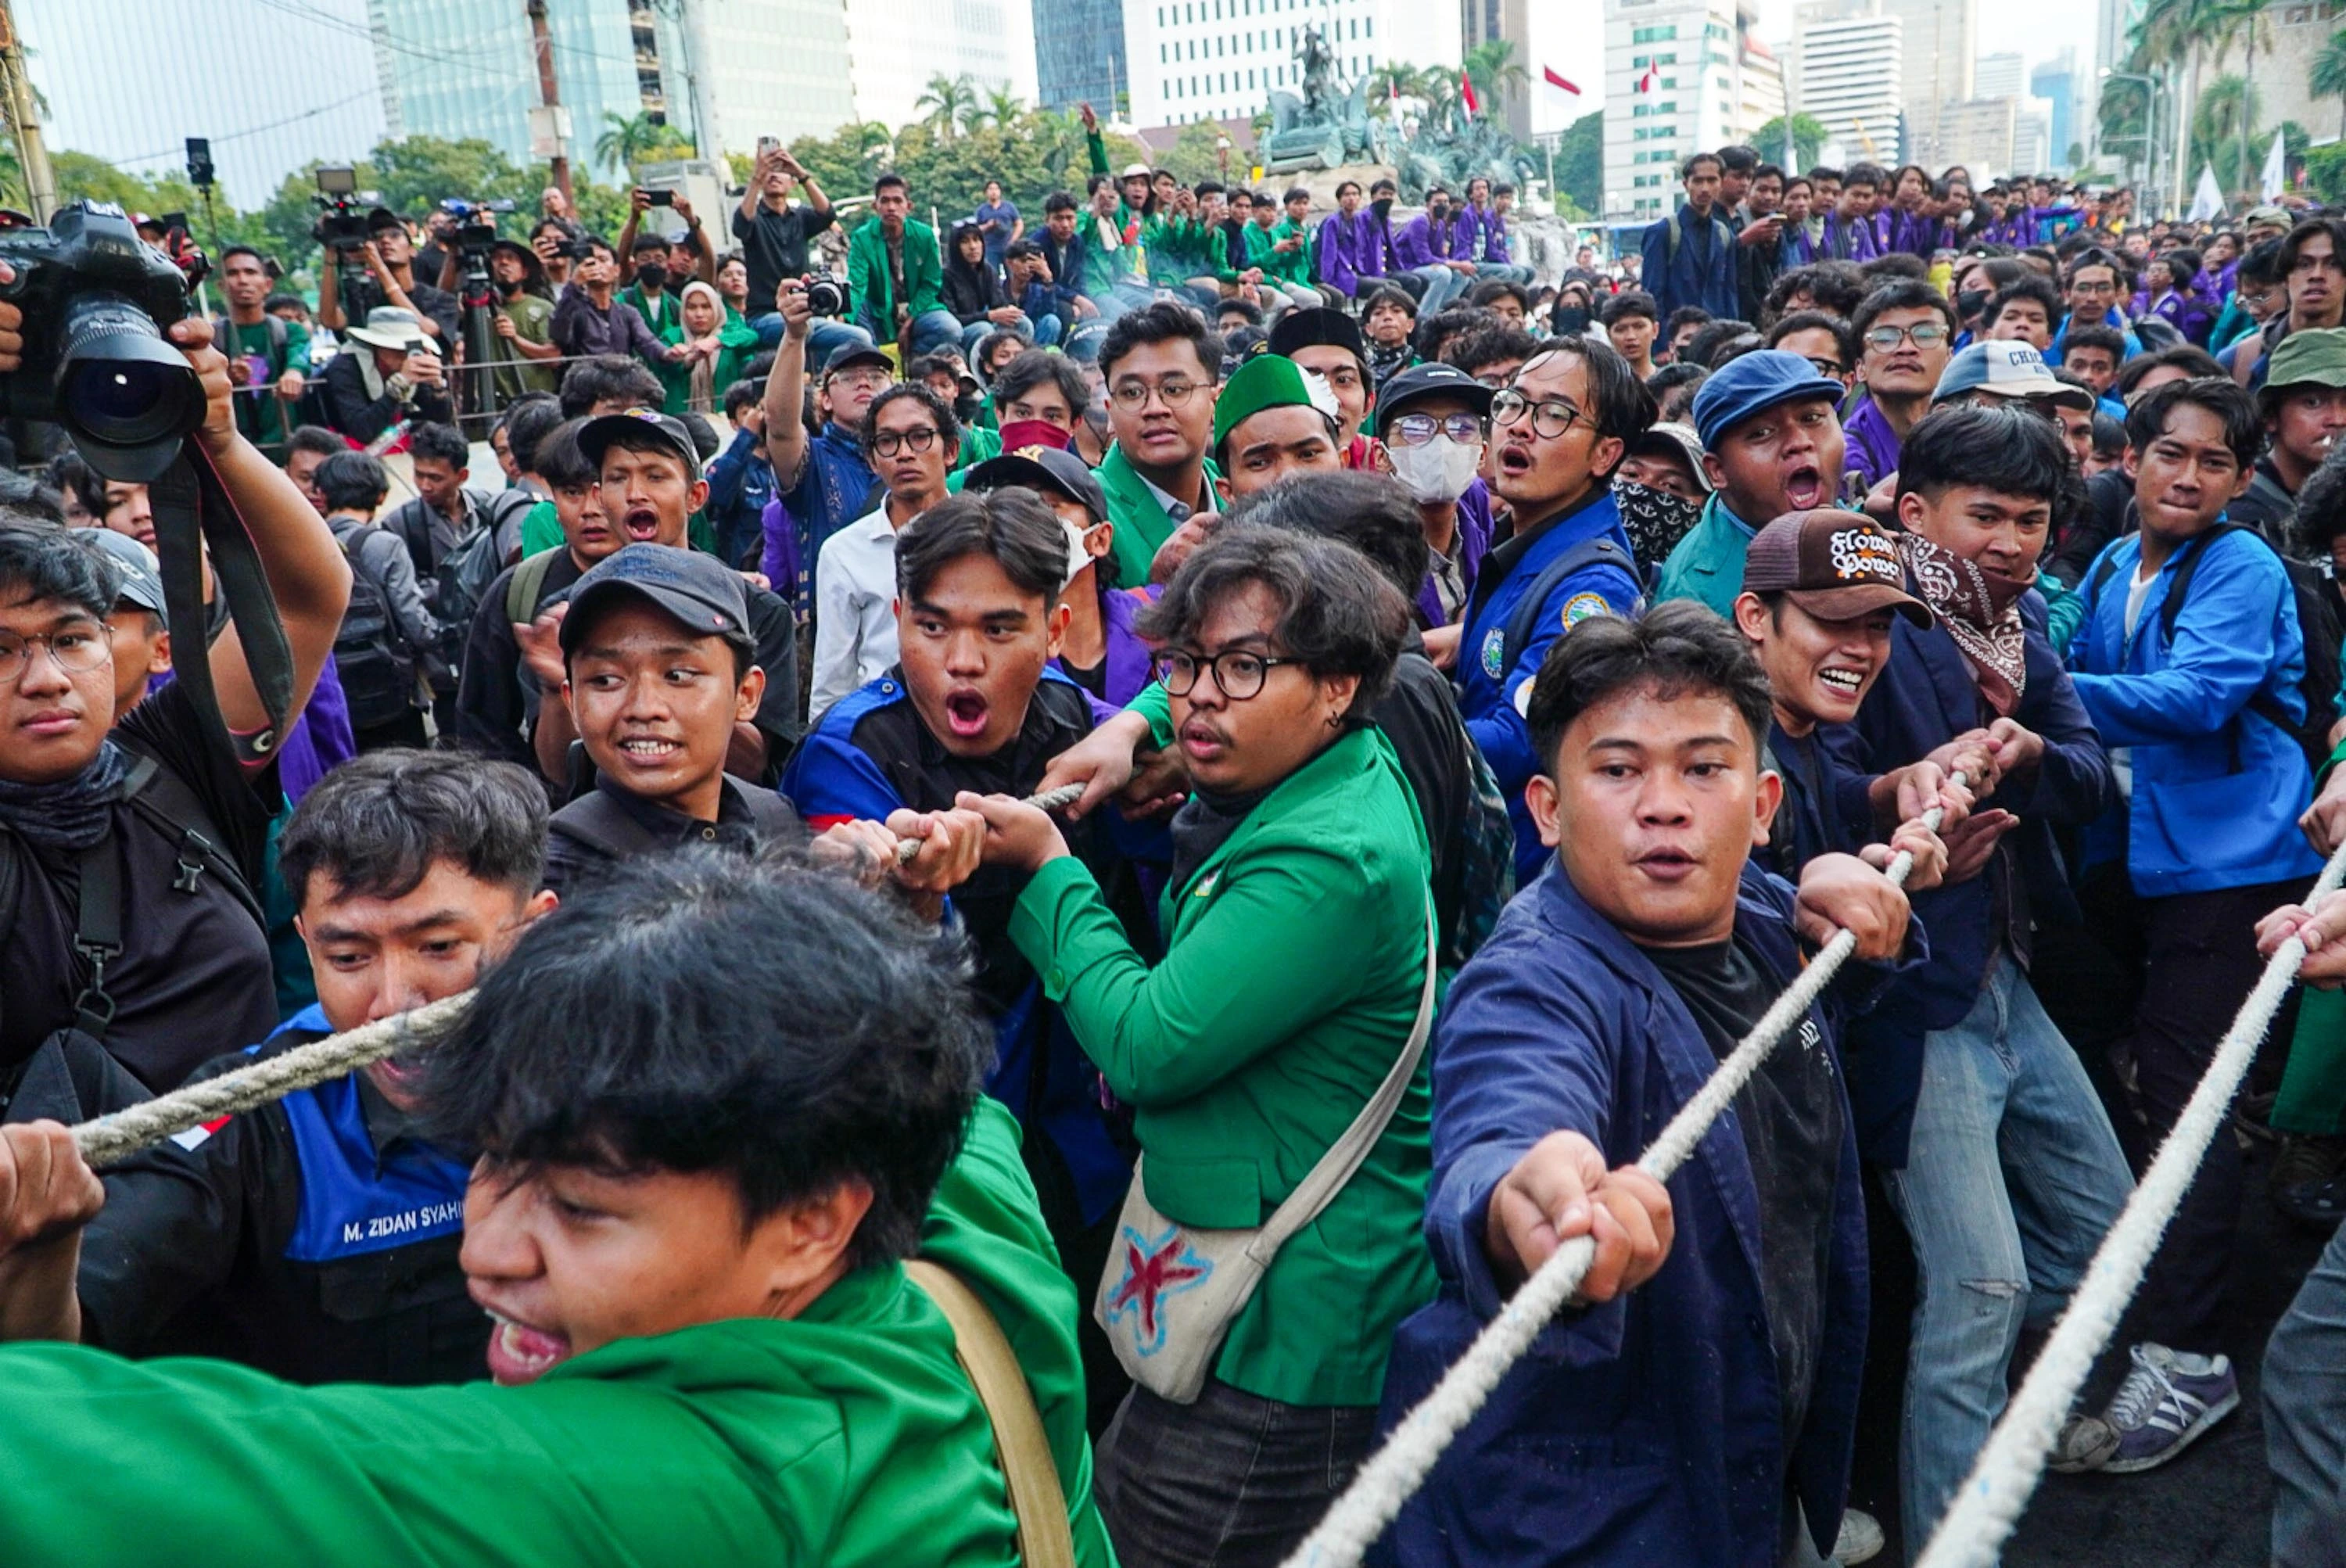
(2218, 788)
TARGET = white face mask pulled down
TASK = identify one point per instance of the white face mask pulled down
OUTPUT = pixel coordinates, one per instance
(1438, 472)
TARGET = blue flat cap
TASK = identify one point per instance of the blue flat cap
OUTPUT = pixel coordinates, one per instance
(1750, 382)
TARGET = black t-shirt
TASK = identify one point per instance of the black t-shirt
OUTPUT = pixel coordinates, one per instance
(1790, 1113)
(572, 857)
(193, 980)
(774, 246)
(1419, 716)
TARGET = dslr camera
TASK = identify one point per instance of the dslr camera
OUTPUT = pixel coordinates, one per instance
(96, 298)
(342, 226)
(825, 297)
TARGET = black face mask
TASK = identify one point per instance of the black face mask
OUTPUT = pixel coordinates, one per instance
(1381, 206)
(1568, 319)
(1970, 302)
(1437, 212)
(651, 277)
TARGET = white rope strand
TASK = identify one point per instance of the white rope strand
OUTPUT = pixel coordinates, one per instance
(1394, 1472)
(1065, 795)
(109, 1140)
(1987, 1507)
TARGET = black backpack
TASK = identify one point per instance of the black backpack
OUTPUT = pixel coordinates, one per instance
(376, 665)
(2315, 619)
(471, 565)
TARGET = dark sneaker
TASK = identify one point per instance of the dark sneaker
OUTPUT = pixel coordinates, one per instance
(2305, 1157)
(2164, 1403)
(2316, 1205)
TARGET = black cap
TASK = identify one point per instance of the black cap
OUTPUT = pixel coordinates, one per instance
(1421, 382)
(597, 435)
(380, 217)
(707, 597)
(1318, 324)
(1045, 469)
(847, 354)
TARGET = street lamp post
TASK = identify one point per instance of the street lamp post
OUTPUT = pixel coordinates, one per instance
(2149, 137)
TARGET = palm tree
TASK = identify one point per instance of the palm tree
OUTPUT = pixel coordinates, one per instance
(1000, 108)
(949, 100)
(2177, 33)
(2225, 121)
(1493, 68)
(1392, 80)
(2328, 79)
(627, 137)
(2243, 20)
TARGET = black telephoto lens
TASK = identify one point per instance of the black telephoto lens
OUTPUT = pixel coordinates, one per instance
(122, 388)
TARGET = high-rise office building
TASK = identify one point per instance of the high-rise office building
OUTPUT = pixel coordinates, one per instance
(1222, 59)
(1998, 76)
(1079, 52)
(1852, 83)
(128, 81)
(2055, 82)
(897, 47)
(458, 68)
(1678, 65)
(1506, 22)
(1940, 41)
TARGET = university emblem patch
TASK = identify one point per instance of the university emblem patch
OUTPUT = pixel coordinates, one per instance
(1580, 606)
(1155, 1267)
(1495, 652)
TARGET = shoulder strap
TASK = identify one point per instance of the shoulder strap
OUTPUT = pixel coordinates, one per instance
(1673, 236)
(163, 798)
(97, 920)
(598, 820)
(526, 584)
(2172, 610)
(1030, 1474)
(1579, 558)
(1327, 1178)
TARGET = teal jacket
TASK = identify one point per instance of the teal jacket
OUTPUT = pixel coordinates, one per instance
(1707, 564)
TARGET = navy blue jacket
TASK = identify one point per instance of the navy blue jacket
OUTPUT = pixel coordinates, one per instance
(1695, 276)
(1648, 1429)
(1924, 698)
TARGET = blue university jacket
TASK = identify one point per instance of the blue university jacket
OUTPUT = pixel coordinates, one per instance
(1648, 1429)
(2217, 789)
(1702, 273)
(1490, 672)
(1925, 696)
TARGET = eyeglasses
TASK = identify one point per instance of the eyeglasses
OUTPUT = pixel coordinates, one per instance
(1134, 395)
(860, 380)
(889, 442)
(1924, 335)
(1550, 418)
(1417, 429)
(1238, 674)
(1827, 367)
(2080, 286)
(83, 648)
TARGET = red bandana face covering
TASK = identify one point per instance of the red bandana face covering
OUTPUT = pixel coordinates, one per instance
(1981, 610)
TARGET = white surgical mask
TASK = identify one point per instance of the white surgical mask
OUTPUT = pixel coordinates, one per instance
(1439, 471)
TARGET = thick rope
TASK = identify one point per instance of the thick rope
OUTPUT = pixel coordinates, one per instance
(1988, 1505)
(109, 1140)
(1047, 800)
(1394, 1472)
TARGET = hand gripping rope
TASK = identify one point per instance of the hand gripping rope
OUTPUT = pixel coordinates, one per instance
(1394, 1472)
(110, 1140)
(1987, 1506)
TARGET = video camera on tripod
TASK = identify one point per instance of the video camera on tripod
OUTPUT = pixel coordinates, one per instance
(342, 226)
(476, 224)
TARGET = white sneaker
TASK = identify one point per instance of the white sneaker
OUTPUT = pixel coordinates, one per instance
(2086, 1442)
(1859, 1541)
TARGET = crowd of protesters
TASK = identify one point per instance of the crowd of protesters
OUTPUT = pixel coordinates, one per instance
(1478, 694)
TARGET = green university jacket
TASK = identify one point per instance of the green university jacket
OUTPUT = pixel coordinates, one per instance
(867, 280)
(846, 1435)
(1142, 524)
(1292, 975)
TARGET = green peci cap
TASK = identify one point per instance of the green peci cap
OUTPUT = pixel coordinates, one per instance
(1269, 380)
(2309, 355)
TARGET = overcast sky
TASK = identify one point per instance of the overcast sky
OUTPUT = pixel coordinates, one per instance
(1564, 38)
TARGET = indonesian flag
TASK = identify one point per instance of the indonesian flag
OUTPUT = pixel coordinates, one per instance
(1646, 81)
(1466, 94)
(1554, 80)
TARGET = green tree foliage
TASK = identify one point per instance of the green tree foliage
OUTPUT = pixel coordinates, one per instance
(1808, 136)
(2328, 76)
(1037, 153)
(2325, 171)
(1580, 162)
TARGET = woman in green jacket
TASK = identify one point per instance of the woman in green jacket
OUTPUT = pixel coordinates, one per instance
(720, 344)
(1295, 921)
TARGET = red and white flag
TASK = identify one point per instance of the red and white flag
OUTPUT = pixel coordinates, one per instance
(1648, 80)
(1554, 80)
(1466, 94)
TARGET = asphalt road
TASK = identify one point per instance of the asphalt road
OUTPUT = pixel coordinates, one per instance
(2210, 1508)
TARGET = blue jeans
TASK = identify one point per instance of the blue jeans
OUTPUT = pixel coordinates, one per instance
(2012, 1179)
(932, 330)
(2305, 1417)
(978, 332)
(1504, 272)
(825, 337)
(1441, 286)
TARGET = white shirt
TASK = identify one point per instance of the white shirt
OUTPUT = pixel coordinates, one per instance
(854, 609)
